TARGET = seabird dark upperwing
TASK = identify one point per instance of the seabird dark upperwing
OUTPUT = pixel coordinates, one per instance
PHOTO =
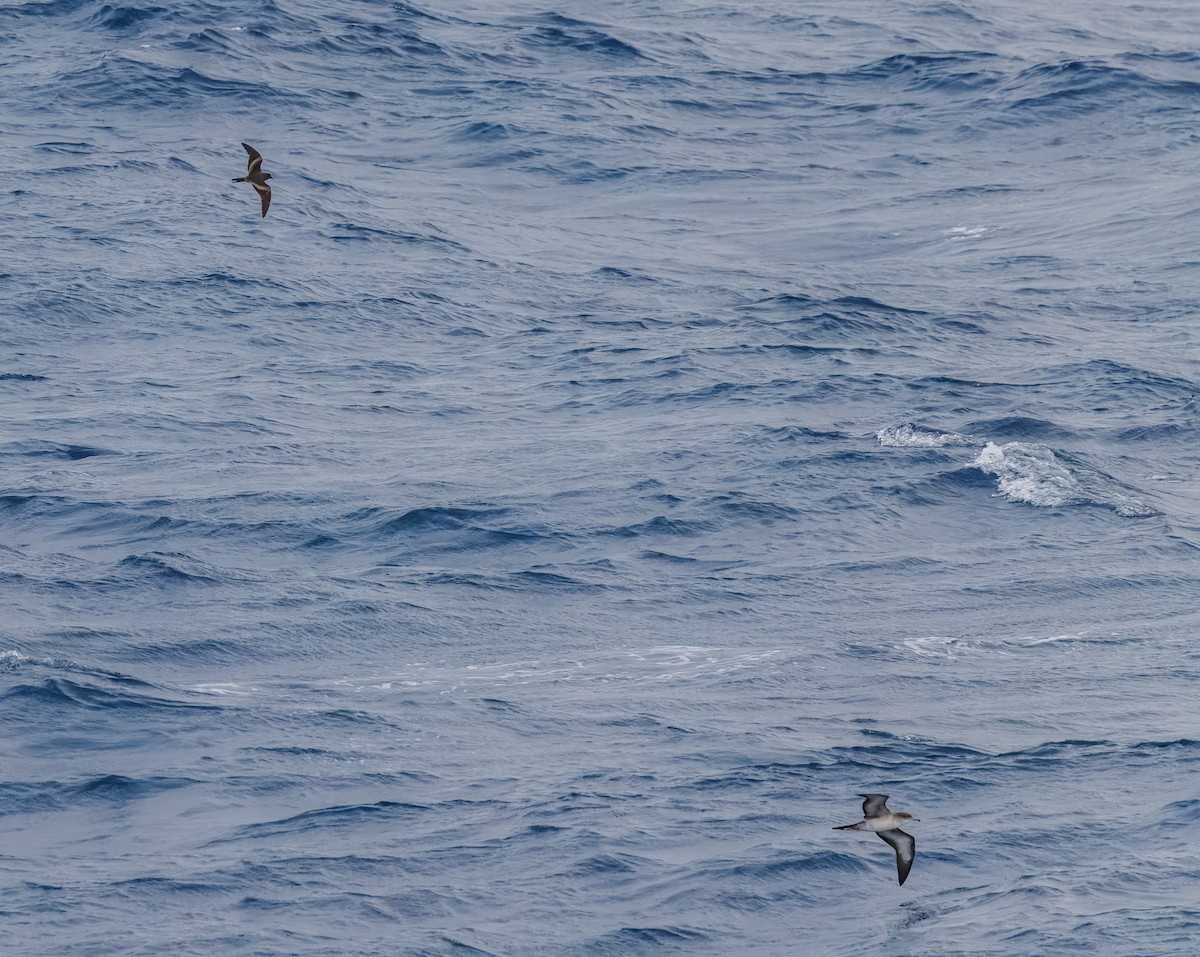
(254, 163)
(905, 846)
(256, 177)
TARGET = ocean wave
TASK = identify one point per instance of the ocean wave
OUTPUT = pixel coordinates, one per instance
(1035, 475)
(1030, 473)
(856, 321)
(642, 937)
(1072, 86)
(950, 646)
(34, 797)
(64, 692)
(1020, 427)
(913, 436)
(1025, 472)
(557, 32)
(944, 72)
(388, 812)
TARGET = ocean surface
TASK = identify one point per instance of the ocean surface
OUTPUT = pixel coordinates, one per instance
(635, 430)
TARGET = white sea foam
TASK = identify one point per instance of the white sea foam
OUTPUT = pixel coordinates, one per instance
(1029, 473)
(912, 436)
(222, 688)
(938, 646)
(944, 646)
(966, 232)
(666, 663)
(1033, 474)
(11, 659)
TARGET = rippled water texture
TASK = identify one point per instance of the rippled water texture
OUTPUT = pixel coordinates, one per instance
(635, 430)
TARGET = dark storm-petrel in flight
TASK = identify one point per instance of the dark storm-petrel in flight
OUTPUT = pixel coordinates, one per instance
(256, 177)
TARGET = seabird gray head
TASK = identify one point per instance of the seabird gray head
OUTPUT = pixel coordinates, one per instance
(256, 177)
(886, 823)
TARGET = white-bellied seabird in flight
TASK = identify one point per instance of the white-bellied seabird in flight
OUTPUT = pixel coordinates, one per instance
(886, 823)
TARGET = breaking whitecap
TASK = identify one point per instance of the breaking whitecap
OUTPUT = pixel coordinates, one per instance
(1034, 474)
(1031, 474)
(914, 437)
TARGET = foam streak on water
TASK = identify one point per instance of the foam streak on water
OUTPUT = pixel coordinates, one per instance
(633, 432)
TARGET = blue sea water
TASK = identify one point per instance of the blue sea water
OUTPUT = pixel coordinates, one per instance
(635, 430)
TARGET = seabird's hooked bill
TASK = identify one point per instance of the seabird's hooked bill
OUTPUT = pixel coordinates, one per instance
(256, 177)
(886, 823)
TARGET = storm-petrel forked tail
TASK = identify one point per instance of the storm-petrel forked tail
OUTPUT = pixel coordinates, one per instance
(885, 823)
(256, 177)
